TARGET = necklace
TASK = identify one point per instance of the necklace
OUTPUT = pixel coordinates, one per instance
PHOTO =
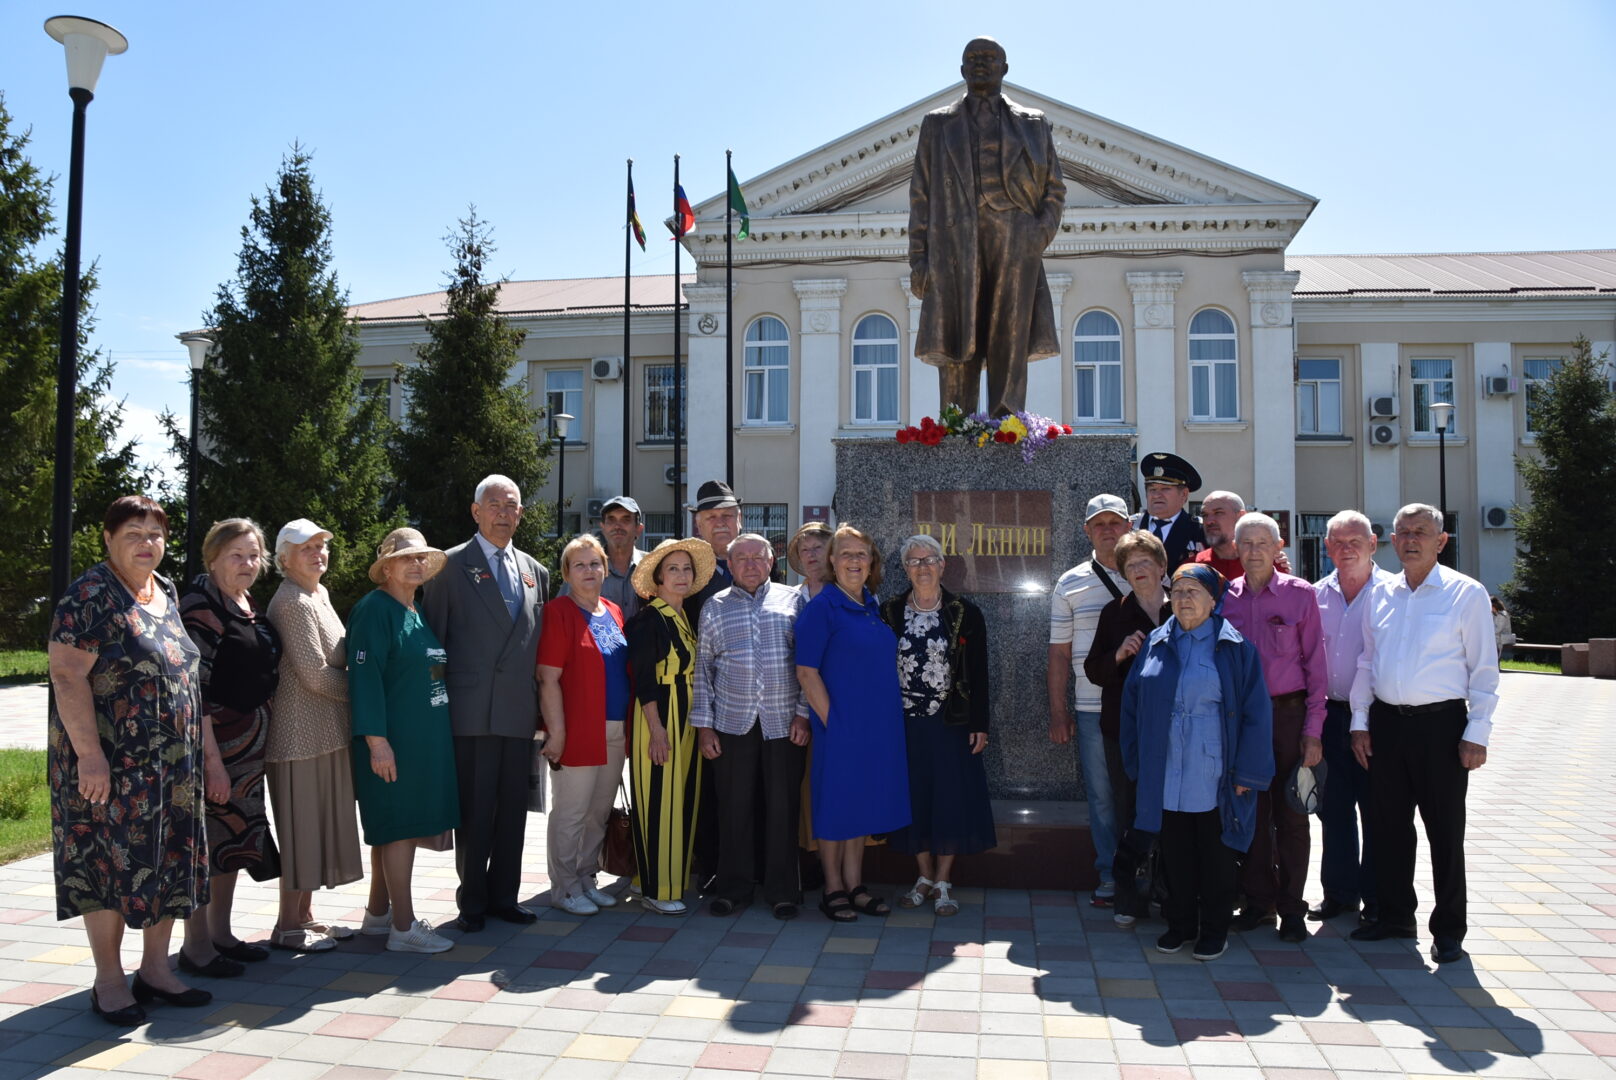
(142, 598)
(856, 599)
(916, 607)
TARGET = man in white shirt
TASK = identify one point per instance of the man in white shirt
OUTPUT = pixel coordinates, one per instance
(1347, 868)
(1422, 707)
(1075, 606)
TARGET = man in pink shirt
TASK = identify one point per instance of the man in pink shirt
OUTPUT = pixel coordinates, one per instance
(1279, 614)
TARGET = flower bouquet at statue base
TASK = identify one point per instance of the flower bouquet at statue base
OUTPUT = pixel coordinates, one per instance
(1026, 430)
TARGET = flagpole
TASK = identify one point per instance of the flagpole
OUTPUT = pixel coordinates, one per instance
(729, 329)
(628, 243)
(678, 396)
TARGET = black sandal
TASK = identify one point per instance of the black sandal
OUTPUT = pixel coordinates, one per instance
(873, 904)
(837, 907)
(784, 910)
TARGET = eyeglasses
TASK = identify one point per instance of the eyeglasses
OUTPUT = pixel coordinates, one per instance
(916, 564)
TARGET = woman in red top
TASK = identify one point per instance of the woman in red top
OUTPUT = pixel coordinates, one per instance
(584, 696)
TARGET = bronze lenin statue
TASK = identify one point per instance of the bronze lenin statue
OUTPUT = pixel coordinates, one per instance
(984, 203)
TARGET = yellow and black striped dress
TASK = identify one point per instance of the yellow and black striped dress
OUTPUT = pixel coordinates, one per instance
(661, 651)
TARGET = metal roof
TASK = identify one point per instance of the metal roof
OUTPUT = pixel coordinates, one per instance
(553, 297)
(1459, 274)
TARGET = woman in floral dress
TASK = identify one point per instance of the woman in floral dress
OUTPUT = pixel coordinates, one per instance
(125, 763)
(943, 673)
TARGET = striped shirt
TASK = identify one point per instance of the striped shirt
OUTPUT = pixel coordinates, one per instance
(1075, 604)
(746, 667)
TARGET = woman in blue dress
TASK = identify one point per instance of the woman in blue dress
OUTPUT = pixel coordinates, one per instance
(847, 662)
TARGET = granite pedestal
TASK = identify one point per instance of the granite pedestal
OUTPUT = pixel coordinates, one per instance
(1036, 786)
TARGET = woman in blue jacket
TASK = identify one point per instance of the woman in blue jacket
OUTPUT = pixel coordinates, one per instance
(1197, 737)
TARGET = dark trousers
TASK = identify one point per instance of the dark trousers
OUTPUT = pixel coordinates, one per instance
(1415, 766)
(752, 768)
(1276, 866)
(1133, 847)
(1347, 866)
(1201, 874)
(1008, 270)
(492, 771)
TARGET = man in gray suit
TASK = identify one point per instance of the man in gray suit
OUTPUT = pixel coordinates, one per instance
(484, 608)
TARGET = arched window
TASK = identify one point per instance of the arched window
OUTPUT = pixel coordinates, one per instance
(1097, 381)
(1214, 367)
(768, 372)
(875, 371)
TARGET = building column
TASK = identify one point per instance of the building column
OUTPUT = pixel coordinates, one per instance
(705, 438)
(1382, 493)
(1494, 440)
(1273, 399)
(1046, 393)
(923, 389)
(1155, 371)
(819, 382)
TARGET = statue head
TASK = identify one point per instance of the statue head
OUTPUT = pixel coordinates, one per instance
(983, 65)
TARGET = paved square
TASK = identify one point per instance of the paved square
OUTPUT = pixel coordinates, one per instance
(1019, 984)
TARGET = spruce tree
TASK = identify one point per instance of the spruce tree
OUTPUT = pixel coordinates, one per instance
(1565, 568)
(286, 432)
(467, 418)
(30, 328)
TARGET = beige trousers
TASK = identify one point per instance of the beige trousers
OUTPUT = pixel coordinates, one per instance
(580, 799)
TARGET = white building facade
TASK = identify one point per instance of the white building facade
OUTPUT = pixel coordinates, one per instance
(1302, 382)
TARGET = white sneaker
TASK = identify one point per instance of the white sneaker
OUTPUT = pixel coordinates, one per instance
(419, 938)
(598, 898)
(576, 905)
(1124, 921)
(377, 925)
(664, 907)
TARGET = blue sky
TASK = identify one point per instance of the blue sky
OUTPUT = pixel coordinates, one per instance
(1431, 126)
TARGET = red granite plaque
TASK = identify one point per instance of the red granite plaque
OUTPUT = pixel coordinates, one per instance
(994, 541)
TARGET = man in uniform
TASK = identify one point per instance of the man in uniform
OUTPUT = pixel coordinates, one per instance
(1169, 479)
(1422, 712)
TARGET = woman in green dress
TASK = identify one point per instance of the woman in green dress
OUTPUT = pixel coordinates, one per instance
(403, 754)
(663, 766)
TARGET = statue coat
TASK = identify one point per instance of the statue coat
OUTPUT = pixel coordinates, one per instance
(943, 227)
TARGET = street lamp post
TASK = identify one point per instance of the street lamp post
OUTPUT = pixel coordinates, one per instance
(562, 422)
(1441, 413)
(87, 43)
(198, 344)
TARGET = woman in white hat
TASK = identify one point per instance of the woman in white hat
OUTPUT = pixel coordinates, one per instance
(403, 753)
(663, 766)
(307, 760)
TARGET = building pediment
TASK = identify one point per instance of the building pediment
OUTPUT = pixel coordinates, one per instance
(1125, 189)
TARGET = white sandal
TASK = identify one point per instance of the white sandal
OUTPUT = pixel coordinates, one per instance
(943, 902)
(917, 894)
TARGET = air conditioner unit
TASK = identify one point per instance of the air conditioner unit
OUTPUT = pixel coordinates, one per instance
(1500, 385)
(606, 368)
(667, 474)
(1383, 435)
(595, 508)
(1382, 531)
(1497, 517)
(1383, 407)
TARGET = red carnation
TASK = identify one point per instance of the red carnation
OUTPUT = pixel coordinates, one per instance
(933, 435)
(904, 435)
(1066, 429)
(1054, 430)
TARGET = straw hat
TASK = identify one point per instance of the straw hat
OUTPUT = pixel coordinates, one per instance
(701, 557)
(406, 541)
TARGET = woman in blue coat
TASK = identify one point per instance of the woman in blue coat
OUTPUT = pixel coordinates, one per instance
(1197, 737)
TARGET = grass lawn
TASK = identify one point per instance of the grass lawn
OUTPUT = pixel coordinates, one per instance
(1542, 666)
(24, 804)
(22, 665)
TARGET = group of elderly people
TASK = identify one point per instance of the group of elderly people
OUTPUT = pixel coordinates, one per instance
(758, 715)
(1214, 715)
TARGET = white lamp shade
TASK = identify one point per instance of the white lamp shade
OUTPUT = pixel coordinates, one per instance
(199, 347)
(88, 43)
(563, 424)
(1441, 412)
